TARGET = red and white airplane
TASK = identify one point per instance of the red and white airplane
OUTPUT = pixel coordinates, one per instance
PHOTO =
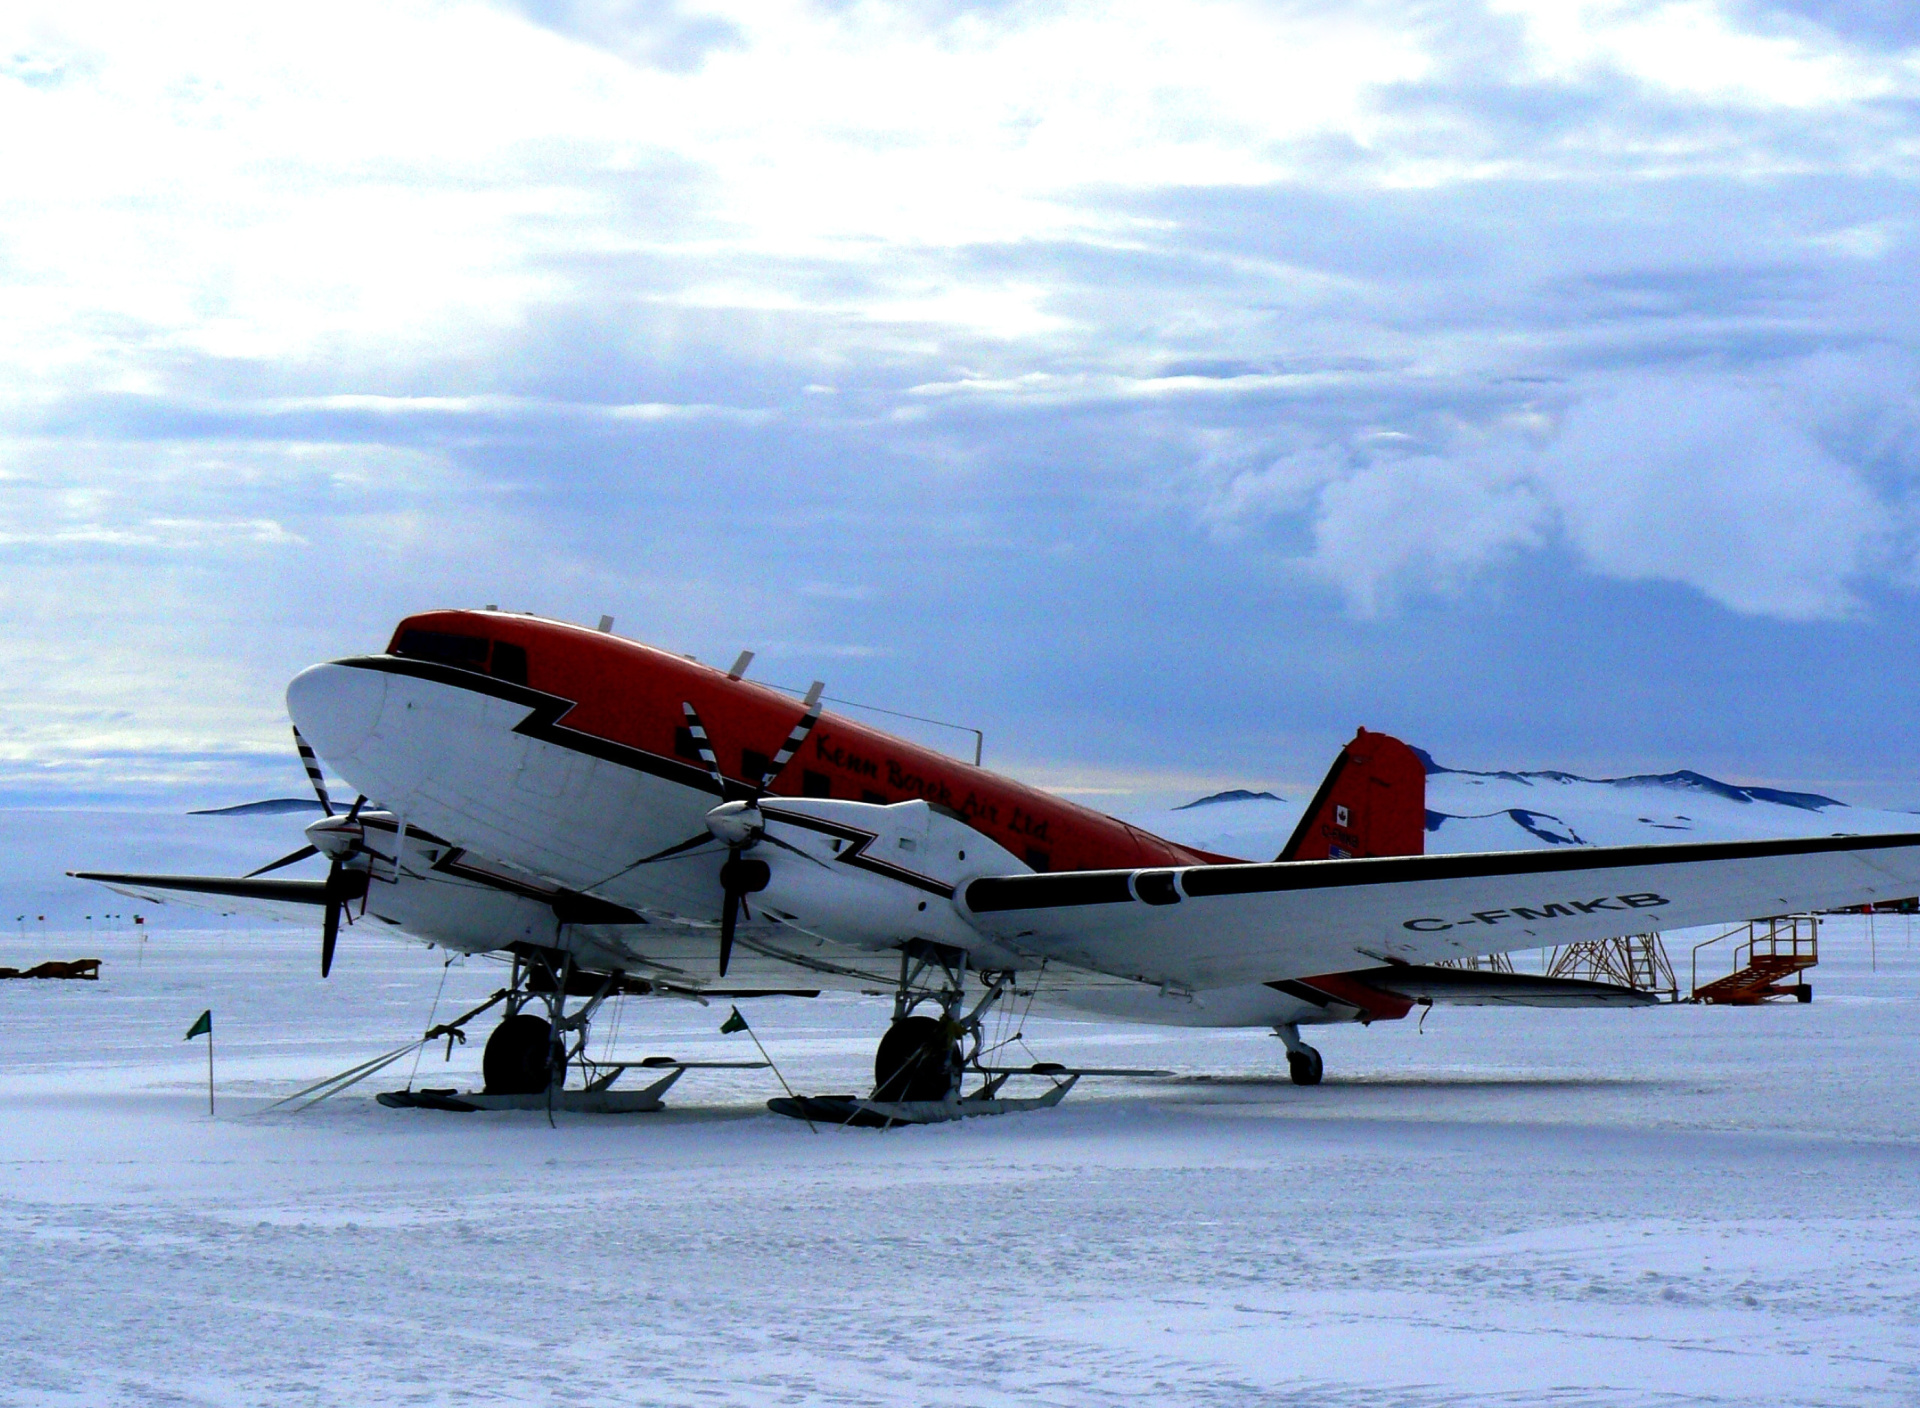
(621, 819)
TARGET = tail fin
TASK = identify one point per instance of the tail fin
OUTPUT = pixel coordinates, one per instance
(1373, 803)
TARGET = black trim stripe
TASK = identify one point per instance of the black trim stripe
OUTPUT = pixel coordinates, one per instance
(544, 722)
(999, 894)
(856, 853)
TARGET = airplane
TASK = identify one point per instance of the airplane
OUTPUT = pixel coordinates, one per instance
(615, 818)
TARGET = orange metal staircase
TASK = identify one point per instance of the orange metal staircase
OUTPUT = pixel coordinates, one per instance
(1764, 964)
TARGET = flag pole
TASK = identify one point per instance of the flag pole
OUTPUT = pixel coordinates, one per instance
(204, 1027)
(737, 1023)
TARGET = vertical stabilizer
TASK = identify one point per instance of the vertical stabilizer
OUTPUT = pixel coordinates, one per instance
(1373, 803)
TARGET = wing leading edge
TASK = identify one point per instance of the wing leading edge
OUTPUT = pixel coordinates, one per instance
(1223, 925)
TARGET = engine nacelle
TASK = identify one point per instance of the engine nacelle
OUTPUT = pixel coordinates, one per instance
(875, 876)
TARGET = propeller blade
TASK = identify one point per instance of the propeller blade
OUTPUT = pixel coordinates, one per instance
(705, 747)
(773, 840)
(796, 739)
(330, 926)
(678, 848)
(329, 936)
(313, 772)
(729, 919)
(298, 855)
(342, 885)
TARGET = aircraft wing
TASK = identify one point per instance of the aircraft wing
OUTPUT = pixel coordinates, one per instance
(1223, 925)
(270, 899)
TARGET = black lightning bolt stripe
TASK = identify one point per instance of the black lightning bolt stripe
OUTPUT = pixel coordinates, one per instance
(543, 722)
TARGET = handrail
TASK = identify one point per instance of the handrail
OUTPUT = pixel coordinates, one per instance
(1773, 938)
(1694, 977)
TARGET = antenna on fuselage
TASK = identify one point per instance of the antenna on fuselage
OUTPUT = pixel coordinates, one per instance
(740, 665)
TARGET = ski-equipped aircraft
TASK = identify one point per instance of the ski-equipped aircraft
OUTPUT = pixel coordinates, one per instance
(617, 818)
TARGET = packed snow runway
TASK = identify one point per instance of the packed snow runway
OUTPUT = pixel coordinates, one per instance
(1677, 1205)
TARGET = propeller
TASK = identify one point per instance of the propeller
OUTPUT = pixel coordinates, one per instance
(342, 885)
(738, 825)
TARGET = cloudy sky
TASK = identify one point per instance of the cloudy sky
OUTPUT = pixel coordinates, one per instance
(1166, 389)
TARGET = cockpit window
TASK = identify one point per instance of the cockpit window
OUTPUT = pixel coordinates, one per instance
(445, 648)
(503, 662)
(509, 663)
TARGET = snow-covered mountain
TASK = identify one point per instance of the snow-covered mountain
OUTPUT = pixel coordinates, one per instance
(1505, 811)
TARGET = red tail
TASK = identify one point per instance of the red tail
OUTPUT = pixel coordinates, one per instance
(1373, 803)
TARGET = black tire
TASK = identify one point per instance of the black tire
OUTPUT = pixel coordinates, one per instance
(518, 1056)
(1804, 992)
(1304, 1066)
(917, 1060)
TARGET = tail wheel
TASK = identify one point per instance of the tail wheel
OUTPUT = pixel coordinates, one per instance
(519, 1056)
(917, 1060)
(1304, 1066)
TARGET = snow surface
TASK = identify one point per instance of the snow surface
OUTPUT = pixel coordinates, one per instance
(1678, 1205)
(1670, 1206)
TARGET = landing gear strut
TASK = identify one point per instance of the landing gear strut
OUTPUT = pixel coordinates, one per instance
(1303, 1062)
(527, 1055)
(920, 1057)
(933, 1044)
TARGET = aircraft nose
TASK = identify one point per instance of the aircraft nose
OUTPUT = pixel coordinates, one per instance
(336, 708)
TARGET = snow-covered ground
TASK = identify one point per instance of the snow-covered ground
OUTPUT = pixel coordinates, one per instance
(1678, 1205)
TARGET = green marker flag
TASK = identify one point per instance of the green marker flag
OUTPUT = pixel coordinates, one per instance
(205, 1027)
(736, 1023)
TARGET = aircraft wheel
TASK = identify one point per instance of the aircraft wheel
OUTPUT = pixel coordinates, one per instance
(916, 1061)
(1304, 1066)
(517, 1056)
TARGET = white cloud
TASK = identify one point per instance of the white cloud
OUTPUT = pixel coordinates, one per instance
(309, 318)
(1421, 522)
(1717, 483)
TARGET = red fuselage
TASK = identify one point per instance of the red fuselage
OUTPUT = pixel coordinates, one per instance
(632, 695)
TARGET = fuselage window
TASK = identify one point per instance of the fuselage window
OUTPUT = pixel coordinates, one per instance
(443, 647)
(815, 784)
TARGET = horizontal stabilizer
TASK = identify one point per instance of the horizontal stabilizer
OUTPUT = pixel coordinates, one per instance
(1470, 987)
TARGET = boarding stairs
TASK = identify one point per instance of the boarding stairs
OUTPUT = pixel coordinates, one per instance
(1767, 962)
